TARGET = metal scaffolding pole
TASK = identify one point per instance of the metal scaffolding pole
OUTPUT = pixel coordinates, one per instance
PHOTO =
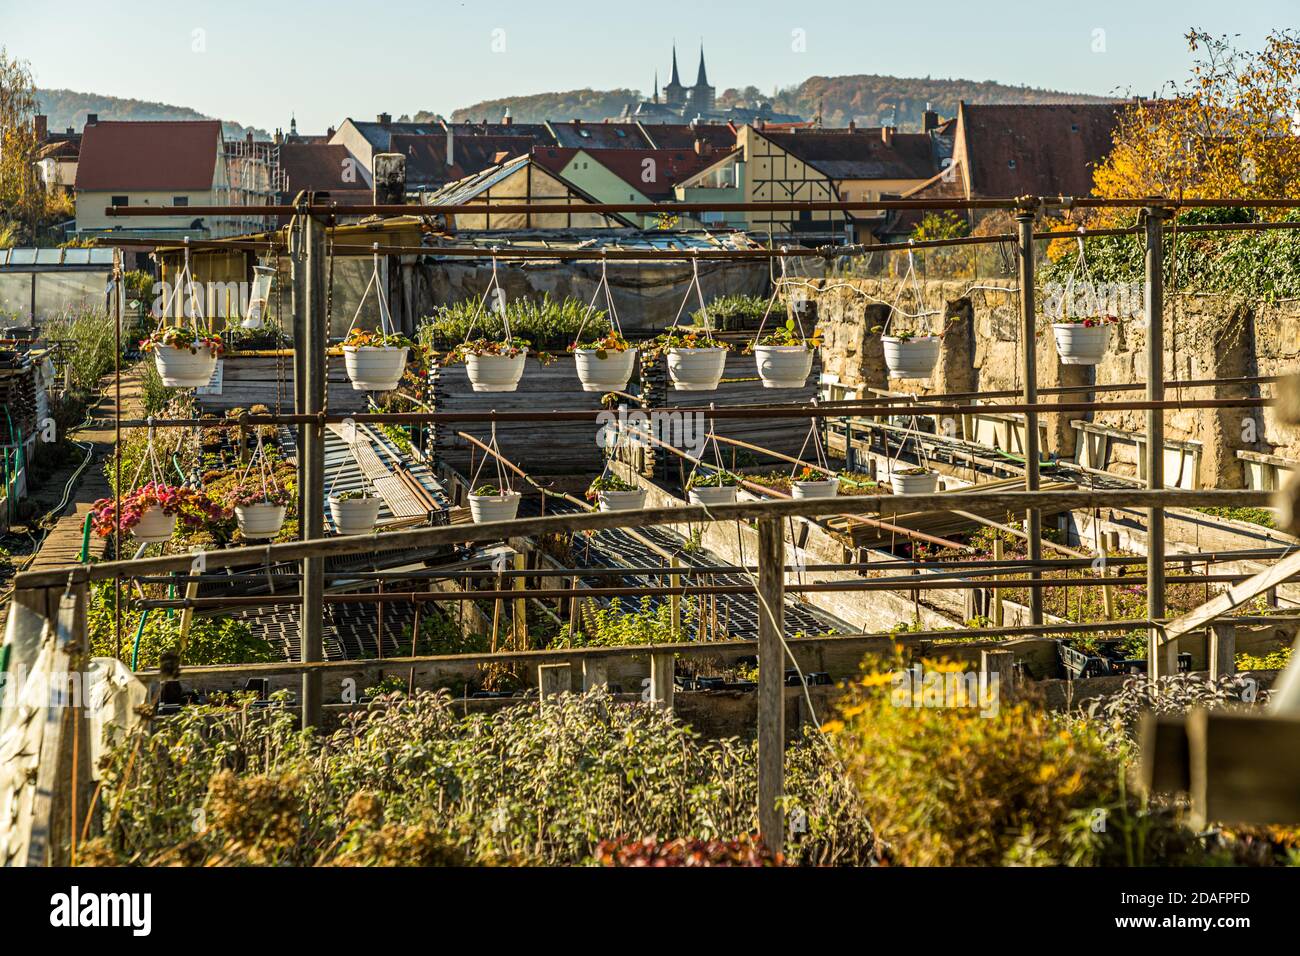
(1162, 659)
(771, 683)
(312, 454)
(1029, 338)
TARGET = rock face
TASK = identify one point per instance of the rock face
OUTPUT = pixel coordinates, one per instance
(1206, 337)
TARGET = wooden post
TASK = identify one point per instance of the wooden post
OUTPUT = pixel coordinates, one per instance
(771, 682)
(1029, 371)
(575, 619)
(1222, 637)
(521, 604)
(1001, 663)
(662, 668)
(997, 592)
(595, 673)
(552, 680)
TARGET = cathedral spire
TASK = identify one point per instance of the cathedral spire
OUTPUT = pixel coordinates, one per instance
(676, 80)
(701, 78)
(656, 99)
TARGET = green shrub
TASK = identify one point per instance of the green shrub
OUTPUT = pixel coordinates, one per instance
(547, 324)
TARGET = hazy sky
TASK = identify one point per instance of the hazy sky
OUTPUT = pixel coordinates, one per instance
(258, 62)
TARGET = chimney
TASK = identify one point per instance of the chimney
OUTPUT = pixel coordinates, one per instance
(853, 125)
(385, 119)
(248, 137)
(41, 126)
(92, 119)
(329, 132)
(703, 147)
(577, 122)
(390, 179)
(887, 135)
(507, 120)
(929, 119)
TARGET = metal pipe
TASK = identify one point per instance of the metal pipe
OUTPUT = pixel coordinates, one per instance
(312, 493)
(1163, 660)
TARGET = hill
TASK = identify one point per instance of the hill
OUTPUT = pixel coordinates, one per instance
(69, 108)
(866, 99)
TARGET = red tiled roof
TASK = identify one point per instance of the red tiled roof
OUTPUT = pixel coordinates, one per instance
(149, 156)
(1040, 149)
(683, 135)
(321, 167)
(670, 167)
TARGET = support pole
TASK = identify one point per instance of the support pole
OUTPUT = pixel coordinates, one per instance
(1223, 649)
(1162, 660)
(771, 682)
(1029, 372)
(311, 501)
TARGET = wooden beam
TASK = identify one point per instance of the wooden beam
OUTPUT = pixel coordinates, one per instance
(1233, 596)
(771, 682)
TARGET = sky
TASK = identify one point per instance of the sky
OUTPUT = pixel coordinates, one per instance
(258, 63)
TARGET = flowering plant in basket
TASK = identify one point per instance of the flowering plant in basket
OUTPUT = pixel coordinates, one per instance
(787, 334)
(510, 348)
(252, 491)
(607, 483)
(193, 509)
(1087, 321)
(376, 339)
(181, 337)
(712, 479)
(610, 342)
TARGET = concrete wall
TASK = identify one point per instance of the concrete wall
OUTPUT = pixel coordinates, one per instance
(1205, 337)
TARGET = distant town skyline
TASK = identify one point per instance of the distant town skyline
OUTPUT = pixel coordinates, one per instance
(232, 60)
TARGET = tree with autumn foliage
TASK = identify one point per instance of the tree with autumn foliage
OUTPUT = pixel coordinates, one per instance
(1227, 131)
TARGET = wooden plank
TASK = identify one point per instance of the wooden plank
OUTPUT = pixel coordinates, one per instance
(771, 683)
(1231, 780)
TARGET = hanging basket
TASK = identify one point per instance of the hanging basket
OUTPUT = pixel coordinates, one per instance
(724, 495)
(622, 500)
(503, 507)
(783, 366)
(183, 367)
(375, 368)
(154, 526)
(1078, 344)
(262, 519)
(495, 373)
(602, 370)
(911, 358)
(354, 515)
(823, 488)
(924, 483)
(696, 370)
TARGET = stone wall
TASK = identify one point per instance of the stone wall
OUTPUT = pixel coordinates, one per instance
(1205, 337)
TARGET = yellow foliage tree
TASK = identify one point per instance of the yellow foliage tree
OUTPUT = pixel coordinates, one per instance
(1226, 132)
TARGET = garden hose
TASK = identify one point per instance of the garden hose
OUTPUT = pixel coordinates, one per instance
(85, 537)
(139, 633)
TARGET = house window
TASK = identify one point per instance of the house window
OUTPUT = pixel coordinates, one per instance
(180, 200)
(119, 201)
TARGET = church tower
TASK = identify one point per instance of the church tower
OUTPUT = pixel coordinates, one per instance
(702, 95)
(674, 93)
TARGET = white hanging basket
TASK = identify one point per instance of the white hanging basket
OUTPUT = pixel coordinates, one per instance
(354, 515)
(696, 370)
(484, 508)
(260, 520)
(375, 368)
(783, 366)
(1080, 345)
(914, 358)
(495, 373)
(181, 368)
(713, 496)
(923, 484)
(823, 488)
(154, 526)
(622, 500)
(609, 373)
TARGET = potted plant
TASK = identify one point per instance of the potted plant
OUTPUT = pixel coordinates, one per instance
(614, 494)
(152, 511)
(909, 354)
(814, 484)
(913, 481)
(493, 366)
(712, 487)
(695, 358)
(784, 357)
(375, 360)
(259, 508)
(185, 357)
(490, 503)
(1083, 340)
(354, 512)
(605, 364)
